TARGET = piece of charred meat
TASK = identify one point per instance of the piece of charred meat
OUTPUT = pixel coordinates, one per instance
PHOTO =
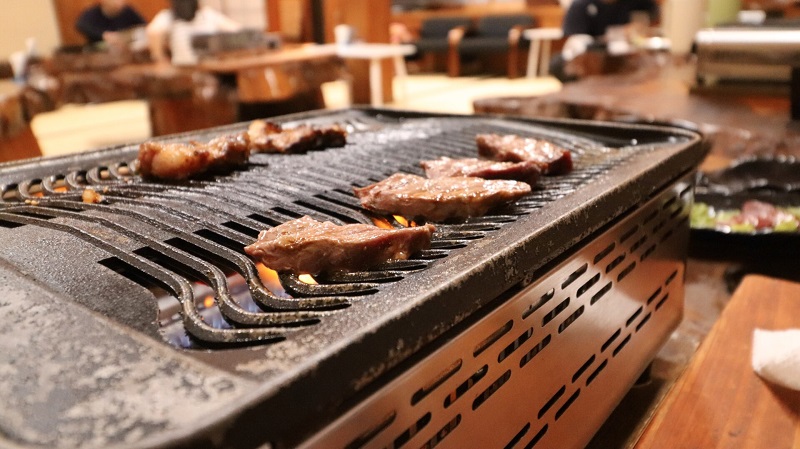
(270, 137)
(551, 158)
(178, 161)
(91, 196)
(308, 246)
(439, 199)
(527, 171)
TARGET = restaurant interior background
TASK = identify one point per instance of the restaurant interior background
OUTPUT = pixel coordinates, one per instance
(62, 125)
(742, 100)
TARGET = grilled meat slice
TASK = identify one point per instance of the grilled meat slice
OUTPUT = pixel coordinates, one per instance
(269, 137)
(526, 171)
(309, 246)
(552, 159)
(177, 161)
(439, 199)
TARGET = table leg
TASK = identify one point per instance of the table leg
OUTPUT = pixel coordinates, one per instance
(545, 61)
(533, 58)
(401, 74)
(375, 82)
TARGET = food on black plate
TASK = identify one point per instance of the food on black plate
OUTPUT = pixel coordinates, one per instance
(270, 137)
(308, 246)
(178, 161)
(527, 171)
(439, 199)
(552, 159)
(754, 216)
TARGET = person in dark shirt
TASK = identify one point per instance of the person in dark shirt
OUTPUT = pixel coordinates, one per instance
(586, 23)
(593, 17)
(103, 21)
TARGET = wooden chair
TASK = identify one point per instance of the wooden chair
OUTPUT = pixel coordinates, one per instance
(493, 34)
(437, 35)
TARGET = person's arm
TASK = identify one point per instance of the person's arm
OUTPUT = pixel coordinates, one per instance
(221, 21)
(157, 31)
(88, 26)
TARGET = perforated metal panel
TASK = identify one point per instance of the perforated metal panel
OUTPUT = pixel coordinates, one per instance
(546, 368)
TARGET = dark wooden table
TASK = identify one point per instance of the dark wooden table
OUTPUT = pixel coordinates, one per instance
(719, 402)
(737, 122)
(217, 91)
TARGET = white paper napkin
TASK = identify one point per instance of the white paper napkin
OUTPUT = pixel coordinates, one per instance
(776, 356)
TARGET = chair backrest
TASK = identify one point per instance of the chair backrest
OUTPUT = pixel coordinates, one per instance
(498, 26)
(439, 26)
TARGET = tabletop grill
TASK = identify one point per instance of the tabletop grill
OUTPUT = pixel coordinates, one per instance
(140, 322)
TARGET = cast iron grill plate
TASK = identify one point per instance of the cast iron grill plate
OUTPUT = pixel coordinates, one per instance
(108, 266)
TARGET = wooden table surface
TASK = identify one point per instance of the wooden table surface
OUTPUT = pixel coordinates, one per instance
(719, 402)
(739, 121)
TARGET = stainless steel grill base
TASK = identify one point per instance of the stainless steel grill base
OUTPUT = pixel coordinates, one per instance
(547, 367)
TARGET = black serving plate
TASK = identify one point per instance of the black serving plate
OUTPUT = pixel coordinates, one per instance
(772, 180)
(772, 175)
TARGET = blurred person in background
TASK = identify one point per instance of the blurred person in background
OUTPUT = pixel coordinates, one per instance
(586, 23)
(172, 30)
(105, 22)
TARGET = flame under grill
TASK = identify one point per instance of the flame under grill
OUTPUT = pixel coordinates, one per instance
(166, 261)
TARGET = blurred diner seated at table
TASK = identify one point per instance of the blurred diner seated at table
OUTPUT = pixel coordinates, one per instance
(587, 22)
(171, 30)
(107, 21)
